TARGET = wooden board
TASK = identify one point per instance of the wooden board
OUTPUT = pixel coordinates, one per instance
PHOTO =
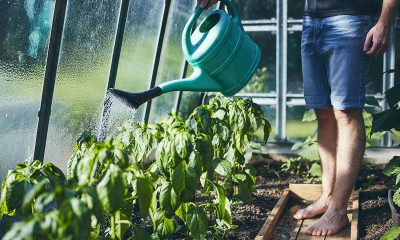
(309, 192)
(273, 217)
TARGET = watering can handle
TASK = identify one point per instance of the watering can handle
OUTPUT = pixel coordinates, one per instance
(187, 42)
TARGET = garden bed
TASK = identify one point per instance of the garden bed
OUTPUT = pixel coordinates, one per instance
(374, 214)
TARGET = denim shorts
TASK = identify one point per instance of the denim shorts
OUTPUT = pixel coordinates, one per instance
(334, 64)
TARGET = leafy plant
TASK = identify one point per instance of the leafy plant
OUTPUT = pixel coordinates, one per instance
(200, 168)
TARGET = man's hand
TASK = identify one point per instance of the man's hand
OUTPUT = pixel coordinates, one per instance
(204, 4)
(377, 40)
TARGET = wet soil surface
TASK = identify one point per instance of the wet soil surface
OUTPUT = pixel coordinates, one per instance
(374, 218)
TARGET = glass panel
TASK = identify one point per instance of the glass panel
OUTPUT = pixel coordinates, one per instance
(296, 129)
(256, 9)
(25, 30)
(295, 9)
(264, 79)
(294, 72)
(190, 100)
(85, 60)
(172, 59)
(139, 47)
(270, 115)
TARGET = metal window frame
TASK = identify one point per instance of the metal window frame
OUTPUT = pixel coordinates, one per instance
(53, 55)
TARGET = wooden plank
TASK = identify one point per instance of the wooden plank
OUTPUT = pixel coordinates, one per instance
(308, 192)
(354, 221)
(296, 231)
(273, 217)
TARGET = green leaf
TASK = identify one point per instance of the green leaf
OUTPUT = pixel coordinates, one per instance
(145, 194)
(111, 189)
(165, 199)
(309, 116)
(183, 144)
(310, 153)
(141, 233)
(163, 225)
(244, 191)
(393, 97)
(197, 222)
(392, 234)
(221, 200)
(396, 197)
(223, 167)
(196, 162)
(239, 177)
(315, 170)
(121, 224)
(391, 166)
(385, 121)
(184, 182)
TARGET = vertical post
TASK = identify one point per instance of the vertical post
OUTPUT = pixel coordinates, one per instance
(157, 57)
(119, 37)
(179, 97)
(388, 78)
(281, 69)
(53, 54)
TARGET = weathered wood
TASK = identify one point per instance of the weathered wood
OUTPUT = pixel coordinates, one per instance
(308, 192)
(354, 221)
(273, 217)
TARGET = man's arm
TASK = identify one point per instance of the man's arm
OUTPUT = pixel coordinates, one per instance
(378, 37)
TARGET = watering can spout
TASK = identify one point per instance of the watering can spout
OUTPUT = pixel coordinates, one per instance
(134, 100)
(197, 82)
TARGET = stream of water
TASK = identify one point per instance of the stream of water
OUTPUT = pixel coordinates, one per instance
(114, 114)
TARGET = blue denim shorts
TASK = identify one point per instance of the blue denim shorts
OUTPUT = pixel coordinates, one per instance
(334, 64)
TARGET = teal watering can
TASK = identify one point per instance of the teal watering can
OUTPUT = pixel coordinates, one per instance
(224, 58)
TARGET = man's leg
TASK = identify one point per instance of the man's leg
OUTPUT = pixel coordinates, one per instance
(350, 152)
(327, 140)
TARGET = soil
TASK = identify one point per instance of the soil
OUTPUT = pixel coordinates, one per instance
(374, 218)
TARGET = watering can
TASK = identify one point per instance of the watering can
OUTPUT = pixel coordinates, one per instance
(223, 57)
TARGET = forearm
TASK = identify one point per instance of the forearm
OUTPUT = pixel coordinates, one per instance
(388, 13)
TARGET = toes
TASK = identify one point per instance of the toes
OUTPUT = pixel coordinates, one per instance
(299, 214)
(317, 232)
(310, 231)
(324, 232)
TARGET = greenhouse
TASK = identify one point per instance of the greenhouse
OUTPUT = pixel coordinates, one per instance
(192, 119)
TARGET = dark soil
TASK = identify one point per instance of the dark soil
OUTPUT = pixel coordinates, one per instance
(374, 218)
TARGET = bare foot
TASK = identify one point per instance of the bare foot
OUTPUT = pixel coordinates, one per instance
(316, 208)
(329, 224)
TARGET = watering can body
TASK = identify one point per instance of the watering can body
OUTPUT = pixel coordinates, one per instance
(224, 58)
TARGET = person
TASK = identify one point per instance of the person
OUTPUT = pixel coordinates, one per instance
(338, 37)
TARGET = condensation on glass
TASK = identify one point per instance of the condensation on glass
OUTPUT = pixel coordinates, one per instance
(263, 80)
(172, 59)
(25, 30)
(256, 9)
(82, 75)
(139, 47)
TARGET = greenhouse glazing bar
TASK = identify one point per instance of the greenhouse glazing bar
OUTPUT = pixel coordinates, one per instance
(281, 69)
(388, 78)
(157, 57)
(50, 78)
